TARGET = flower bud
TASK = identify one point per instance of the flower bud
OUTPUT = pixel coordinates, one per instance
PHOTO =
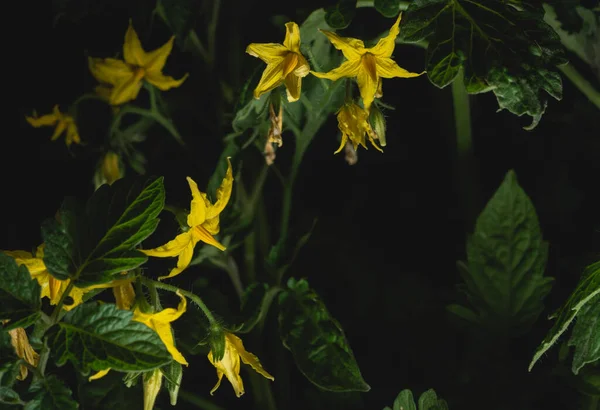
(109, 170)
(217, 341)
(377, 121)
(152, 384)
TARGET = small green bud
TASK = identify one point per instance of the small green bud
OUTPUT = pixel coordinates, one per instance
(377, 121)
(217, 341)
(173, 373)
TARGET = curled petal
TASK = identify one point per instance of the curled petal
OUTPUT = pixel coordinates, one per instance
(268, 52)
(352, 48)
(247, 357)
(385, 46)
(99, 375)
(164, 82)
(293, 86)
(387, 68)
(223, 193)
(229, 366)
(43, 121)
(346, 69)
(292, 37)
(171, 248)
(60, 128)
(197, 214)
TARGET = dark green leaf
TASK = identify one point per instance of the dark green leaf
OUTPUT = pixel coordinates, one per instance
(19, 293)
(430, 401)
(389, 8)
(512, 52)
(317, 341)
(506, 261)
(94, 337)
(91, 245)
(9, 396)
(109, 392)
(179, 15)
(341, 14)
(405, 401)
(9, 370)
(587, 288)
(173, 373)
(586, 335)
(249, 110)
(50, 393)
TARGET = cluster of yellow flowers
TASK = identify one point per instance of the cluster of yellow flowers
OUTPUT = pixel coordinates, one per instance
(287, 65)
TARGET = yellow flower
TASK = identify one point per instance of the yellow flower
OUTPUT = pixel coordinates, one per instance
(230, 364)
(19, 340)
(62, 122)
(109, 170)
(285, 64)
(124, 78)
(124, 295)
(203, 221)
(51, 287)
(160, 323)
(368, 65)
(353, 122)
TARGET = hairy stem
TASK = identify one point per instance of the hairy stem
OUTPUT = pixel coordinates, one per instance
(194, 298)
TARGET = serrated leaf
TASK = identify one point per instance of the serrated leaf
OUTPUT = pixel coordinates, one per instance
(586, 335)
(19, 293)
(587, 288)
(50, 393)
(430, 401)
(506, 259)
(317, 341)
(109, 392)
(92, 244)
(9, 396)
(405, 401)
(341, 14)
(388, 8)
(501, 49)
(94, 337)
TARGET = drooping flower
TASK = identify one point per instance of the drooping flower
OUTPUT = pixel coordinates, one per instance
(353, 122)
(160, 322)
(203, 221)
(124, 78)
(285, 64)
(229, 365)
(368, 65)
(19, 340)
(61, 121)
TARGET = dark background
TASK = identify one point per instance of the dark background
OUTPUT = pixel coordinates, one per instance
(390, 228)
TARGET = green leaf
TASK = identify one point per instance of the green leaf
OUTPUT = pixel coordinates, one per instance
(9, 396)
(388, 8)
(173, 373)
(109, 392)
(586, 335)
(430, 401)
(19, 293)
(317, 341)
(506, 261)
(96, 337)
(92, 244)
(587, 288)
(341, 14)
(250, 111)
(405, 401)
(281, 259)
(9, 370)
(50, 393)
(511, 52)
(179, 15)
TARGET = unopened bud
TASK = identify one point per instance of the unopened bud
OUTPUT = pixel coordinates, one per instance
(109, 170)
(217, 342)
(377, 121)
(152, 384)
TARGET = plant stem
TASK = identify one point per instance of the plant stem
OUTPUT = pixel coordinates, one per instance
(194, 298)
(591, 402)
(581, 83)
(198, 401)
(466, 176)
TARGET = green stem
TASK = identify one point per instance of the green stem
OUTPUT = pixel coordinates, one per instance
(156, 116)
(212, 29)
(194, 298)
(198, 401)
(465, 164)
(581, 83)
(195, 40)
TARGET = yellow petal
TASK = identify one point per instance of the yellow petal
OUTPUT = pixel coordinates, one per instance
(273, 76)
(43, 121)
(104, 91)
(171, 248)
(292, 37)
(98, 375)
(302, 68)
(152, 386)
(293, 86)
(223, 193)
(247, 357)
(72, 134)
(184, 259)
(197, 214)
(109, 70)
(387, 68)
(343, 143)
(126, 90)
(267, 52)
(367, 82)
(60, 128)
(385, 46)
(133, 53)
(164, 82)
(20, 342)
(352, 48)
(202, 234)
(346, 69)
(229, 366)
(155, 60)
(76, 295)
(169, 315)
(124, 296)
